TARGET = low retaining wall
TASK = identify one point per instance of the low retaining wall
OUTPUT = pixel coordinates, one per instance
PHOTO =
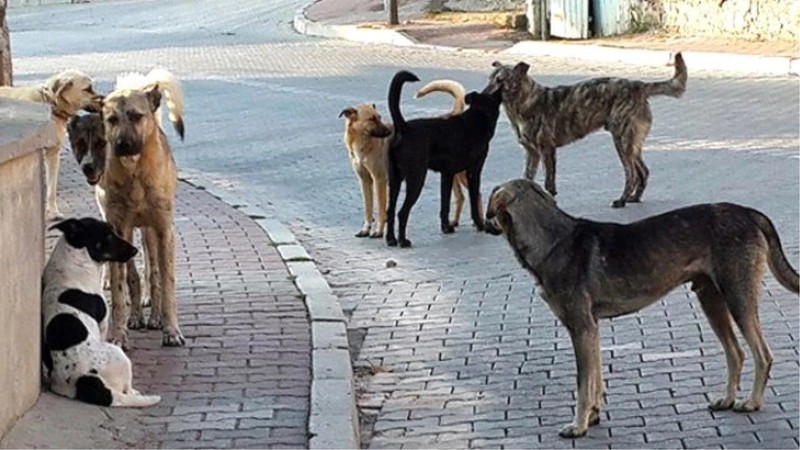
(749, 19)
(25, 129)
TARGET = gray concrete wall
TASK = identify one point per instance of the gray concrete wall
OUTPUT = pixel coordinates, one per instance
(25, 129)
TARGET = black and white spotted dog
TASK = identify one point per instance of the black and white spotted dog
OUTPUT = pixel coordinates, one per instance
(78, 362)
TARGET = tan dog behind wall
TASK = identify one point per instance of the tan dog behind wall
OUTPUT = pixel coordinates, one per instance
(140, 182)
(366, 139)
(67, 93)
(586, 271)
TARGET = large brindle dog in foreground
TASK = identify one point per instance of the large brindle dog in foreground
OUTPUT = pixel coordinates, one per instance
(140, 182)
(586, 271)
(545, 118)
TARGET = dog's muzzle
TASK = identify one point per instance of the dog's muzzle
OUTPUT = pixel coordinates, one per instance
(91, 173)
(381, 132)
(126, 147)
(490, 226)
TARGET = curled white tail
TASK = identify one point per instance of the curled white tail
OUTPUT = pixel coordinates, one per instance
(167, 83)
(454, 88)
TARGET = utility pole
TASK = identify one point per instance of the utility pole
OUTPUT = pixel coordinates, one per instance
(393, 19)
(5, 47)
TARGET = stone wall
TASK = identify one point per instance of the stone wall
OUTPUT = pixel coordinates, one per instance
(25, 129)
(749, 19)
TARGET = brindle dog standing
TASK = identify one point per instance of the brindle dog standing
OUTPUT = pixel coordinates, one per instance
(140, 182)
(546, 118)
(586, 271)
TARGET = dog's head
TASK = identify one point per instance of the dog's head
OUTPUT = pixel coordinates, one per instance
(70, 91)
(365, 120)
(513, 199)
(98, 238)
(129, 120)
(508, 80)
(488, 103)
(88, 141)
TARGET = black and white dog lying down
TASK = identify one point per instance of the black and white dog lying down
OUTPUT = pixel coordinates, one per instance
(78, 362)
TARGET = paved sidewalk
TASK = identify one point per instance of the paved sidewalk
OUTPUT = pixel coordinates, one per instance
(365, 21)
(244, 377)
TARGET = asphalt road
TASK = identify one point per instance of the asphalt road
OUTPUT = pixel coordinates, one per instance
(454, 347)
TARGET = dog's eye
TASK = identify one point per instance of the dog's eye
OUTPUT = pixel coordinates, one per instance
(134, 116)
(112, 120)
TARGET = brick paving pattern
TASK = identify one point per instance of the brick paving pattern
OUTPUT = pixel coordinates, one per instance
(243, 379)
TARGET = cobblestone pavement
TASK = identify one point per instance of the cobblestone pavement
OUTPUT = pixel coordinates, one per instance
(243, 378)
(453, 346)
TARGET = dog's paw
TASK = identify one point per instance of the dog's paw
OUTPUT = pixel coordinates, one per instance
(54, 215)
(405, 243)
(454, 223)
(745, 406)
(721, 404)
(376, 234)
(136, 320)
(594, 417)
(173, 338)
(448, 229)
(618, 203)
(479, 225)
(391, 241)
(119, 337)
(635, 200)
(154, 322)
(362, 233)
(572, 431)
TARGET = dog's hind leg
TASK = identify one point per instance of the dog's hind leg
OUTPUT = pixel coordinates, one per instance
(51, 164)
(414, 183)
(459, 183)
(597, 392)
(639, 131)
(586, 343)
(623, 145)
(365, 180)
(475, 203)
(380, 185)
(716, 310)
(643, 173)
(741, 287)
(446, 189)
(394, 192)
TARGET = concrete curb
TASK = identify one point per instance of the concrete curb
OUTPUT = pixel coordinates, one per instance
(712, 61)
(333, 417)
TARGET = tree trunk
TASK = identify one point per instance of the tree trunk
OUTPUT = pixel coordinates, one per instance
(393, 19)
(5, 47)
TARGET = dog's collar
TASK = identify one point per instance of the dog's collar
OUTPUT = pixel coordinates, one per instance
(61, 114)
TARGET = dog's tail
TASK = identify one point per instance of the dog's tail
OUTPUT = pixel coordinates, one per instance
(778, 264)
(92, 389)
(170, 86)
(674, 87)
(395, 89)
(451, 87)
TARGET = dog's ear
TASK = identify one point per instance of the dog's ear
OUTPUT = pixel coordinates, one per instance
(499, 201)
(497, 64)
(470, 98)
(374, 107)
(59, 88)
(154, 97)
(72, 229)
(521, 69)
(349, 113)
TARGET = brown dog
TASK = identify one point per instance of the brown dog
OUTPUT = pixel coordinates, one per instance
(66, 93)
(366, 139)
(586, 271)
(546, 118)
(140, 181)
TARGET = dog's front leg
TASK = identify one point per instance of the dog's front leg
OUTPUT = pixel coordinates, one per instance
(136, 317)
(366, 193)
(171, 334)
(119, 301)
(152, 278)
(51, 163)
(586, 343)
(549, 156)
(474, 187)
(532, 156)
(444, 206)
(380, 186)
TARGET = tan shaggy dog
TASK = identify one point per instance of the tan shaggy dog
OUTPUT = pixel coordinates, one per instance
(140, 181)
(67, 93)
(366, 139)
